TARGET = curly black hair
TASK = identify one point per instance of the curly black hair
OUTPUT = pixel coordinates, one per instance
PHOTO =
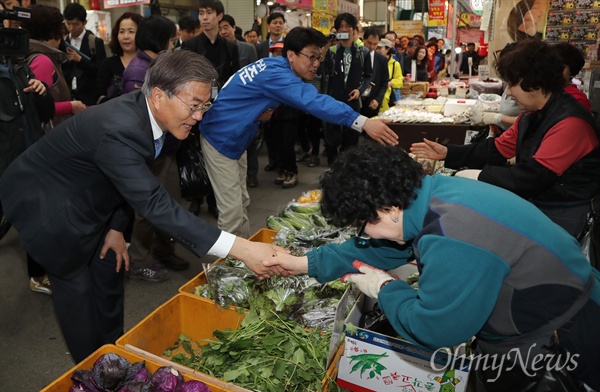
(532, 65)
(365, 179)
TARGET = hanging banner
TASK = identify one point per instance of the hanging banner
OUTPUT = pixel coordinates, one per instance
(322, 22)
(437, 13)
(347, 6)
(325, 6)
(409, 28)
(123, 3)
(303, 4)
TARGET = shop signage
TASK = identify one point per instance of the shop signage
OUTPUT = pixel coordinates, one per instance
(123, 3)
(347, 6)
(437, 13)
(477, 6)
(327, 6)
(304, 4)
(408, 27)
(322, 22)
(469, 20)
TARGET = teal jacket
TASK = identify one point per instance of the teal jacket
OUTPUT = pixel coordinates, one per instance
(492, 265)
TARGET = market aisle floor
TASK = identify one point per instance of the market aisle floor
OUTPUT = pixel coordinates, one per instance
(32, 350)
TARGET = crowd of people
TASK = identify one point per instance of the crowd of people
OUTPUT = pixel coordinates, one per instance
(80, 185)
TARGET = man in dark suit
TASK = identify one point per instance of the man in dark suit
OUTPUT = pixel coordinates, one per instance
(81, 72)
(67, 196)
(247, 51)
(381, 75)
(276, 27)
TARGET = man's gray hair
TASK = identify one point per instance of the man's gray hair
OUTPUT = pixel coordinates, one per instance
(172, 70)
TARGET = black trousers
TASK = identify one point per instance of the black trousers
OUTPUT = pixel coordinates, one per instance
(337, 139)
(89, 305)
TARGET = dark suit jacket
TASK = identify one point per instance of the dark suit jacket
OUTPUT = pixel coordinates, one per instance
(381, 77)
(86, 71)
(262, 49)
(63, 192)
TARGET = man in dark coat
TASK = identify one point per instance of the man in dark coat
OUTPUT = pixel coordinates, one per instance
(67, 196)
(381, 75)
(81, 72)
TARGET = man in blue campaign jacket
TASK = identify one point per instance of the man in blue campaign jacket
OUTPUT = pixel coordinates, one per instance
(249, 97)
(492, 266)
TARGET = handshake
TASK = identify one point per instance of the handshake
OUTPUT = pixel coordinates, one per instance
(485, 118)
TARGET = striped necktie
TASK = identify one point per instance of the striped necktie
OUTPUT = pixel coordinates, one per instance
(158, 144)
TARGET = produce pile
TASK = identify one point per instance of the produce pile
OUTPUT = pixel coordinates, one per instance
(111, 372)
(267, 353)
(298, 298)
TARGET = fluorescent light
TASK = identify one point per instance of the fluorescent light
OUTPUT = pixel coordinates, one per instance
(269, 3)
(288, 10)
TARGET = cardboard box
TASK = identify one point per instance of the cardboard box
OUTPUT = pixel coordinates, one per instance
(401, 366)
(263, 235)
(63, 383)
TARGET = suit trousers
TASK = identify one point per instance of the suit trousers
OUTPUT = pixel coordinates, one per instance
(89, 305)
(145, 239)
(228, 178)
(337, 139)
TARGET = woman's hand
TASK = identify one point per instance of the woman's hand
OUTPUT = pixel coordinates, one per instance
(429, 149)
(35, 86)
(77, 107)
(114, 240)
(292, 265)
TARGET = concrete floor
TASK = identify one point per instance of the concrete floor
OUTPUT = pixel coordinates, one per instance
(32, 350)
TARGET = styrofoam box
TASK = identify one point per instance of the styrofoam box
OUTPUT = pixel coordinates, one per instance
(454, 106)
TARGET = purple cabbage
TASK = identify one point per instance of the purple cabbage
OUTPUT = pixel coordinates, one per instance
(194, 386)
(82, 381)
(139, 373)
(135, 386)
(110, 371)
(166, 379)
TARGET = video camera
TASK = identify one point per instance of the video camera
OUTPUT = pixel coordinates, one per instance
(339, 36)
(14, 42)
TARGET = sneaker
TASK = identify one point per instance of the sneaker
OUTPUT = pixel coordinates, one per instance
(173, 262)
(291, 180)
(280, 177)
(302, 156)
(41, 284)
(252, 181)
(154, 274)
(313, 161)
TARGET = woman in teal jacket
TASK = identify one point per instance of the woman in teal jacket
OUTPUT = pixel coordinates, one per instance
(492, 265)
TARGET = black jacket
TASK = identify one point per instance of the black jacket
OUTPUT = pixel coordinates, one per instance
(223, 55)
(359, 75)
(86, 71)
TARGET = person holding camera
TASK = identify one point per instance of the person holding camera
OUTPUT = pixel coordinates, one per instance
(349, 76)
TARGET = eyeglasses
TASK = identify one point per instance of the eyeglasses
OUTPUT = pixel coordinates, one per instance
(362, 239)
(196, 108)
(313, 58)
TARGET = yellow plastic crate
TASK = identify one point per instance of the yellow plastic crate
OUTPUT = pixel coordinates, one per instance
(63, 383)
(263, 235)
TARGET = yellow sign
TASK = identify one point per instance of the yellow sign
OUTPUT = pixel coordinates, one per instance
(408, 27)
(321, 22)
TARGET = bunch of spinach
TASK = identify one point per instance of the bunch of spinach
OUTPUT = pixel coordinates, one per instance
(267, 353)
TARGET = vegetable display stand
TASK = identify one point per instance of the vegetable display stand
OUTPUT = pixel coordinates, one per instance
(63, 383)
(187, 314)
(263, 235)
